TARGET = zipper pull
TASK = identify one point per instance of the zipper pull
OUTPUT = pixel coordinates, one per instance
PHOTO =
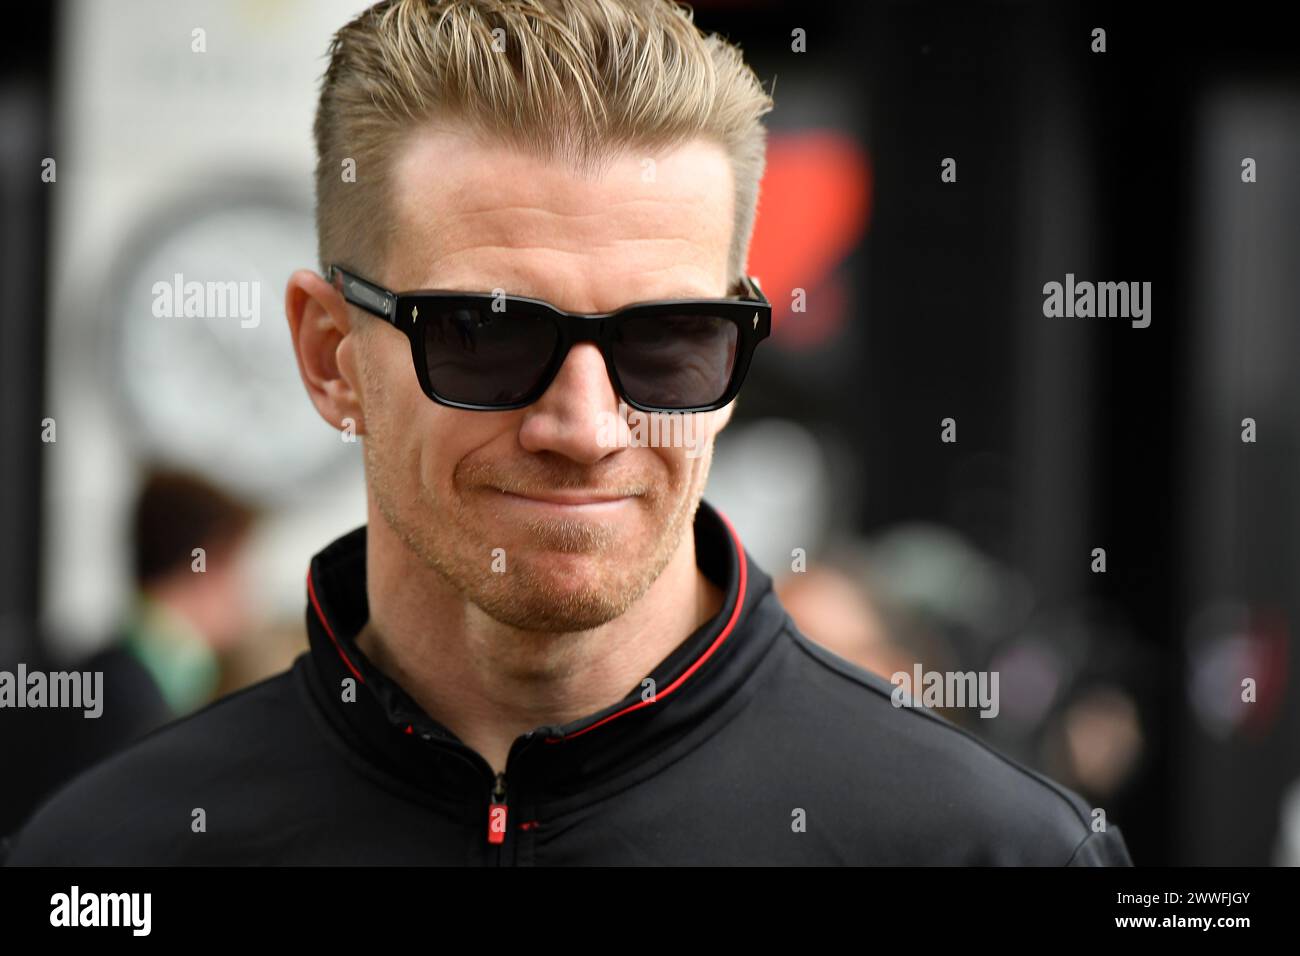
(497, 812)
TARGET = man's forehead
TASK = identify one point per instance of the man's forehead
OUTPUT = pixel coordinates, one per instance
(467, 209)
(494, 193)
(463, 163)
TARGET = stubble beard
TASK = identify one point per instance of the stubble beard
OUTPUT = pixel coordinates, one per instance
(449, 541)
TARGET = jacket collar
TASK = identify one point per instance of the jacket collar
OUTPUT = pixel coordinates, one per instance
(695, 684)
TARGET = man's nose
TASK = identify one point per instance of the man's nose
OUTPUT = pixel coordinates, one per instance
(578, 414)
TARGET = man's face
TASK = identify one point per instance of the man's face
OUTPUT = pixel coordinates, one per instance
(478, 218)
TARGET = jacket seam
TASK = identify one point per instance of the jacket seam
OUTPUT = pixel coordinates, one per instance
(1086, 837)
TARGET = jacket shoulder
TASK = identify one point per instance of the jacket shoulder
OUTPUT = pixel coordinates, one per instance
(139, 805)
(934, 784)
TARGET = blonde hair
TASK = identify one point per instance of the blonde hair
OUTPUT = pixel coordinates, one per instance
(573, 81)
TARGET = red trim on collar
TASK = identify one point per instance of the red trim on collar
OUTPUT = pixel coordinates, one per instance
(311, 593)
(699, 661)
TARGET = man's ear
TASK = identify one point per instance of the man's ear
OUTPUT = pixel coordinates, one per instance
(325, 344)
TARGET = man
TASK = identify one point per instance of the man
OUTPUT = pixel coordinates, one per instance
(544, 648)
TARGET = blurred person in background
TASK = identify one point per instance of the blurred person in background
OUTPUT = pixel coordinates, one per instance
(188, 610)
(843, 612)
(189, 607)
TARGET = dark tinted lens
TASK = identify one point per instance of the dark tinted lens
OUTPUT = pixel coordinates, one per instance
(675, 361)
(482, 357)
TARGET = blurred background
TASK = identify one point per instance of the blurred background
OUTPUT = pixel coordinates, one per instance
(900, 300)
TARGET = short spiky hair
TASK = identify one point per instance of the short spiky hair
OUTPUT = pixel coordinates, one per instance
(573, 81)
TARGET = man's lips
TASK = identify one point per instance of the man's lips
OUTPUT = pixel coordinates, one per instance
(568, 498)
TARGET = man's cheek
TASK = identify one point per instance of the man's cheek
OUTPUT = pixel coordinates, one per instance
(684, 464)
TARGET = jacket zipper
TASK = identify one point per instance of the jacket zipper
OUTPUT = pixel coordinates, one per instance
(499, 824)
(498, 815)
(498, 820)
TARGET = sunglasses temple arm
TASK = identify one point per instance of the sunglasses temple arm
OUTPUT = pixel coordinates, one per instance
(364, 295)
(753, 290)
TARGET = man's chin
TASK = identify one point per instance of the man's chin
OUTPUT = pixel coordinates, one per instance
(569, 577)
(559, 571)
(537, 607)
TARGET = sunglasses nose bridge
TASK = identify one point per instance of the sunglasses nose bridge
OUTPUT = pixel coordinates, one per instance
(582, 329)
(587, 328)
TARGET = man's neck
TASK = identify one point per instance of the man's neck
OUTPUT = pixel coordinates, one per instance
(488, 682)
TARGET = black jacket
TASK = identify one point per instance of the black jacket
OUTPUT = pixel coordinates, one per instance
(46, 747)
(759, 747)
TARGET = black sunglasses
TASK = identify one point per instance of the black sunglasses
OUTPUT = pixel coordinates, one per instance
(488, 352)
